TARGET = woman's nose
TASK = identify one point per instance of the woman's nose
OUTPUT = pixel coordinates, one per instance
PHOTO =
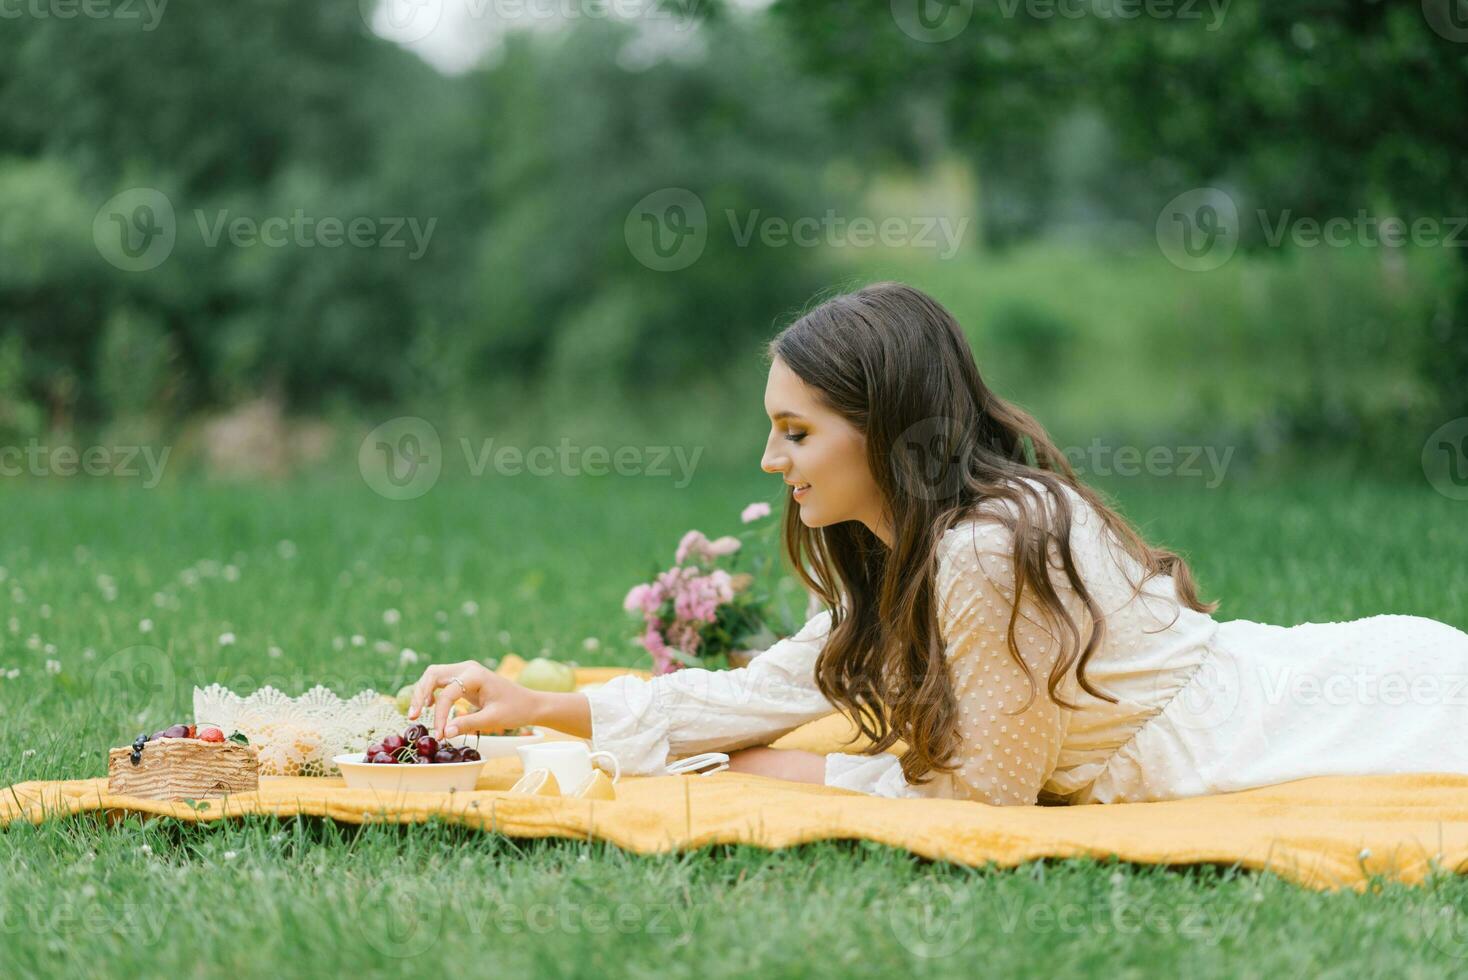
(772, 463)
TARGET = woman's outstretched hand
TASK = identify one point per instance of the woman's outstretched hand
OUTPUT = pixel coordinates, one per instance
(499, 703)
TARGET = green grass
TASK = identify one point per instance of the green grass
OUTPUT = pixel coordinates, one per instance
(547, 561)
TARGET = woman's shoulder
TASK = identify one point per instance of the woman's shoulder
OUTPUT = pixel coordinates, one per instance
(987, 521)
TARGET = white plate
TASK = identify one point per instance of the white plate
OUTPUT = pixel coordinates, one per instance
(496, 746)
(437, 778)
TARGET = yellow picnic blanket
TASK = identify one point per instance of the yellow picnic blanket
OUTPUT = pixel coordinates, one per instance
(1324, 833)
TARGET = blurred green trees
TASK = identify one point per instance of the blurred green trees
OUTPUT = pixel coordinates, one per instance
(528, 175)
(522, 173)
(1299, 110)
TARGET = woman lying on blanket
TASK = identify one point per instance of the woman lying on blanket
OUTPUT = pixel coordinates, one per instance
(996, 631)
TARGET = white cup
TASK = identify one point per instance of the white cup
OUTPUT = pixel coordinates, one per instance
(569, 762)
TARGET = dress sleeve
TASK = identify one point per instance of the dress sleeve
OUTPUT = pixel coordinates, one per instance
(644, 723)
(1005, 759)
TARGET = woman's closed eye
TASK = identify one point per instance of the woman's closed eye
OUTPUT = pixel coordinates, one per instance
(795, 436)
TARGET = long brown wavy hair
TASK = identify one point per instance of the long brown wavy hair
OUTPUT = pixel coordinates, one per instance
(939, 442)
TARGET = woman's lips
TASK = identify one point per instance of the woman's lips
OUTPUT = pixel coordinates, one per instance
(799, 492)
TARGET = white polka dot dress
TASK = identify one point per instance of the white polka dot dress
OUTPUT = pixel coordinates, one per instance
(1202, 706)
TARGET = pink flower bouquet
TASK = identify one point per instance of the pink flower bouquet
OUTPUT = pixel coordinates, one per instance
(698, 612)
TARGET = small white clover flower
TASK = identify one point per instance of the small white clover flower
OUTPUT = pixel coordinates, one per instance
(408, 656)
(226, 639)
(145, 626)
(469, 608)
(391, 617)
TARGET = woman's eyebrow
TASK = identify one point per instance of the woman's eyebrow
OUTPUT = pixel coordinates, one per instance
(786, 415)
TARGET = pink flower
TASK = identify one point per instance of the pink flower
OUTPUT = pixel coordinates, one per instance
(693, 543)
(754, 511)
(636, 597)
(662, 661)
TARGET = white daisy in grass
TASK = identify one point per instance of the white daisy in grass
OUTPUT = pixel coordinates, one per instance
(226, 639)
(391, 617)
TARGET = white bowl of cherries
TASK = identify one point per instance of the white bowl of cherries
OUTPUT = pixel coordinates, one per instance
(414, 762)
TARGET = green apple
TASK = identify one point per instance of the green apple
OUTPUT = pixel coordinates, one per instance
(543, 674)
(405, 699)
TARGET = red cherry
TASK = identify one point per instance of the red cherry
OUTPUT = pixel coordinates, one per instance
(382, 759)
(176, 731)
(392, 744)
(413, 733)
(444, 755)
(426, 746)
(469, 755)
(375, 748)
(210, 734)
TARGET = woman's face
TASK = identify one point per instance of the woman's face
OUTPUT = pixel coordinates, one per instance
(810, 445)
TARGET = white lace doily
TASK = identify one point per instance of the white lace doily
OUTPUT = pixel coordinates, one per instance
(299, 736)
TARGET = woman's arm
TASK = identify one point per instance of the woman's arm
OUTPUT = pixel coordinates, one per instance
(793, 764)
(646, 722)
(569, 712)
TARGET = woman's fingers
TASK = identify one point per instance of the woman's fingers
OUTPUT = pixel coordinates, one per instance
(442, 702)
(484, 720)
(436, 675)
